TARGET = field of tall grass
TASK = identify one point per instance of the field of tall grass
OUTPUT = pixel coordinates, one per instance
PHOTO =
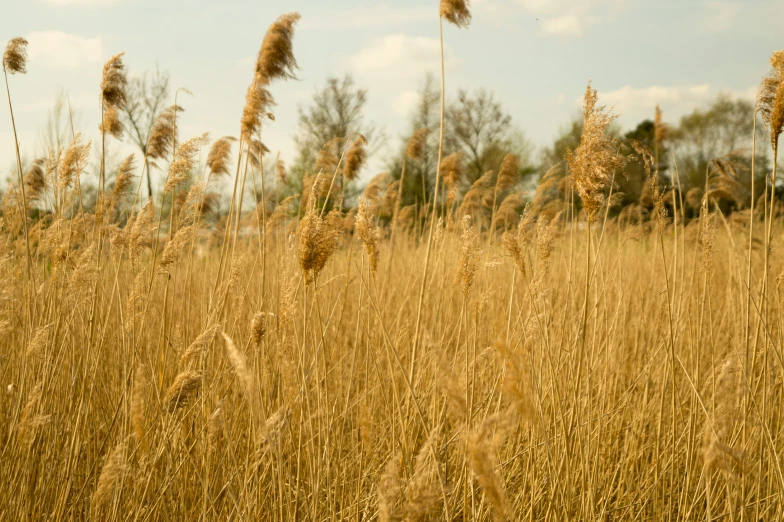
(311, 364)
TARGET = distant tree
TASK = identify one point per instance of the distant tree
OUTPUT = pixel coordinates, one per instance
(336, 111)
(704, 134)
(479, 127)
(145, 98)
(420, 174)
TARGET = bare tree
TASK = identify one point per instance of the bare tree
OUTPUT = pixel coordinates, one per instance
(146, 96)
(336, 111)
(478, 127)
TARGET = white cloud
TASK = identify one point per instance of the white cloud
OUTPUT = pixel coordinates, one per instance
(567, 18)
(406, 102)
(634, 104)
(363, 17)
(400, 55)
(63, 50)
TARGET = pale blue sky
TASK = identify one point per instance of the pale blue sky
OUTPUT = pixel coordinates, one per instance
(679, 53)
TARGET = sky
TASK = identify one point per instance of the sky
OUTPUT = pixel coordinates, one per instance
(536, 55)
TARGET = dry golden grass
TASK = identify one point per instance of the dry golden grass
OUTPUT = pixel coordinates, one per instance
(320, 367)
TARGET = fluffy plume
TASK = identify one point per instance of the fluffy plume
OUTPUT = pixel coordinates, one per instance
(328, 157)
(280, 171)
(770, 98)
(163, 133)
(281, 212)
(114, 82)
(452, 169)
(474, 198)
(72, 162)
(596, 158)
(114, 469)
(124, 179)
(276, 56)
(256, 152)
(456, 12)
(111, 123)
(355, 158)
(175, 247)
(199, 346)
(139, 404)
(258, 101)
(184, 388)
(183, 164)
(375, 187)
(35, 180)
(31, 419)
(422, 493)
(509, 173)
(389, 492)
(258, 327)
(218, 158)
(368, 232)
(483, 443)
(415, 149)
(15, 56)
(318, 239)
(247, 380)
(469, 256)
(516, 244)
(727, 386)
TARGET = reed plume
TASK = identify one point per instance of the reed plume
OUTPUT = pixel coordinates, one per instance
(35, 180)
(596, 159)
(468, 263)
(114, 470)
(247, 383)
(139, 404)
(276, 55)
(770, 98)
(111, 123)
(389, 492)
(258, 327)
(182, 391)
(114, 82)
(483, 444)
(368, 232)
(199, 346)
(163, 134)
(456, 12)
(355, 158)
(73, 162)
(415, 148)
(318, 239)
(183, 164)
(218, 157)
(15, 56)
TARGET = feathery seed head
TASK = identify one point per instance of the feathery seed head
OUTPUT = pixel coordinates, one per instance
(183, 164)
(111, 123)
(163, 133)
(114, 82)
(258, 101)
(456, 12)
(15, 56)
(258, 327)
(469, 256)
(218, 157)
(355, 158)
(596, 158)
(184, 388)
(415, 149)
(276, 56)
(368, 232)
(509, 173)
(770, 98)
(452, 169)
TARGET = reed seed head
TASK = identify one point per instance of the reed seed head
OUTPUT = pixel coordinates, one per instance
(355, 158)
(15, 56)
(182, 391)
(276, 56)
(596, 159)
(456, 12)
(114, 82)
(415, 149)
(218, 157)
